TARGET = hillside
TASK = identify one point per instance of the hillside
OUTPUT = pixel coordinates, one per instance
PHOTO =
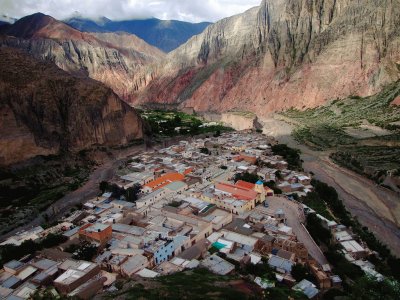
(282, 54)
(114, 59)
(362, 134)
(46, 111)
(163, 34)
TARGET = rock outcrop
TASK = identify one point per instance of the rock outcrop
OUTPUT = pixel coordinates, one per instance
(119, 60)
(282, 54)
(45, 110)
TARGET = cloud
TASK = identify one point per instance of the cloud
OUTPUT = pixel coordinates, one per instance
(184, 10)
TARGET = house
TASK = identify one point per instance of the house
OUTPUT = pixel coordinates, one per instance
(134, 264)
(75, 274)
(217, 265)
(280, 264)
(97, 233)
(162, 250)
(162, 181)
(152, 198)
(307, 288)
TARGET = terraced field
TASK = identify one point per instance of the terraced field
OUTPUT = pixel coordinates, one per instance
(363, 134)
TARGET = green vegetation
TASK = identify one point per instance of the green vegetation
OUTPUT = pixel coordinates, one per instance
(174, 123)
(131, 194)
(368, 289)
(28, 190)
(85, 251)
(10, 252)
(246, 176)
(201, 284)
(300, 272)
(326, 202)
(291, 156)
(363, 132)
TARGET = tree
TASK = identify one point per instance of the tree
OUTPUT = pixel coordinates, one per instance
(246, 176)
(132, 193)
(217, 133)
(205, 151)
(177, 120)
(52, 240)
(278, 174)
(300, 272)
(86, 252)
(367, 288)
(319, 233)
(104, 186)
(117, 191)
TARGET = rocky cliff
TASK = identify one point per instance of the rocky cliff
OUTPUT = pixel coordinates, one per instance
(116, 59)
(282, 54)
(47, 111)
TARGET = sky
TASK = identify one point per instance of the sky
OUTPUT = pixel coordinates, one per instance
(184, 10)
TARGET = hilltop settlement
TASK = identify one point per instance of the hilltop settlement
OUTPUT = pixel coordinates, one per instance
(216, 203)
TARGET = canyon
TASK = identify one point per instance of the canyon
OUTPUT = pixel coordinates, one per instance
(115, 59)
(279, 55)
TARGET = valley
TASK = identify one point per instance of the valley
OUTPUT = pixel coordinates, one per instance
(375, 207)
(256, 156)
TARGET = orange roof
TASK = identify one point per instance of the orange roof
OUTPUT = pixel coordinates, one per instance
(188, 171)
(237, 191)
(245, 184)
(249, 159)
(164, 180)
(250, 186)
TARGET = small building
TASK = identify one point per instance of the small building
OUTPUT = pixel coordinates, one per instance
(280, 264)
(162, 250)
(217, 265)
(133, 265)
(307, 288)
(75, 274)
(13, 266)
(97, 233)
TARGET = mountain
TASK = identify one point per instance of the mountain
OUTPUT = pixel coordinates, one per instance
(113, 58)
(47, 111)
(165, 35)
(283, 54)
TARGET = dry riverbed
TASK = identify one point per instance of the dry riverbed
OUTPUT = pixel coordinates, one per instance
(375, 207)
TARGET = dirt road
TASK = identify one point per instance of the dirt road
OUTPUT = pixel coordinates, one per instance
(89, 190)
(375, 207)
(294, 219)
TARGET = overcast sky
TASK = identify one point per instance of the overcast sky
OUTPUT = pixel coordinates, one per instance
(185, 10)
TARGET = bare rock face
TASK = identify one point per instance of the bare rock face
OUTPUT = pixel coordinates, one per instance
(115, 59)
(282, 54)
(47, 111)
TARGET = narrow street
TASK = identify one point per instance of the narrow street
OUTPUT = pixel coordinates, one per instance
(294, 218)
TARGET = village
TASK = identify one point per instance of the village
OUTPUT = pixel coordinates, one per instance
(189, 206)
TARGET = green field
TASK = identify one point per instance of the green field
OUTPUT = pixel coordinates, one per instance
(362, 133)
(174, 123)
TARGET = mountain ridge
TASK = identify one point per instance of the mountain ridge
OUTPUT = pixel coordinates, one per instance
(166, 35)
(283, 54)
(100, 57)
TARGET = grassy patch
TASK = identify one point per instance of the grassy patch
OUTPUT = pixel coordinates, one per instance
(366, 152)
(174, 123)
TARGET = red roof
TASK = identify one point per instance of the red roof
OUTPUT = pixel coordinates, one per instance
(237, 191)
(250, 186)
(188, 171)
(164, 180)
